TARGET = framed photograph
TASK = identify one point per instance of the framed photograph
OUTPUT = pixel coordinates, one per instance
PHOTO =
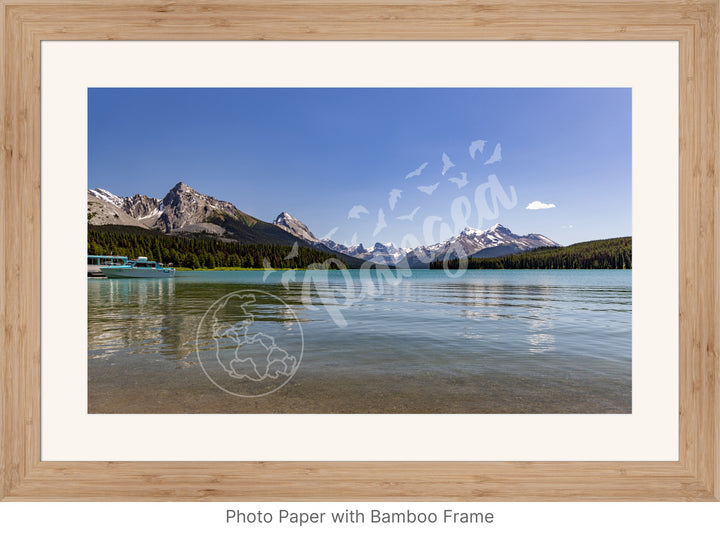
(417, 251)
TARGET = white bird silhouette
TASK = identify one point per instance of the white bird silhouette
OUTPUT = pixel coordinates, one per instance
(293, 251)
(381, 224)
(447, 163)
(356, 211)
(459, 181)
(475, 146)
(394, 197)
(330, 233)
(268, 269)
(411, 216)
(429, 189)
(417, 171)
(288, 276)
(496, 156)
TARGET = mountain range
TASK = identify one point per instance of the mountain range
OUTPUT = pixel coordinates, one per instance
(183, 210)
(470, 242)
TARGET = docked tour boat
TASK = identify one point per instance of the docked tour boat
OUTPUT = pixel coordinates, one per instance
(140, 268)
(96, 263)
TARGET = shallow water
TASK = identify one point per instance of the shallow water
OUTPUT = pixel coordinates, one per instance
(485, 341)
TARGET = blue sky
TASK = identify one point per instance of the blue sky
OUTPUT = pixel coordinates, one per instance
(318, 152)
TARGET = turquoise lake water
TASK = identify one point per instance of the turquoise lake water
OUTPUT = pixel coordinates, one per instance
(534, 339)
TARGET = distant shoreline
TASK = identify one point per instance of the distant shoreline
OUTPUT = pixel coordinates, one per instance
(189, 270)
(600, 254)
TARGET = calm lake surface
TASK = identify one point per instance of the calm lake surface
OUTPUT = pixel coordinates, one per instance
(485, 342)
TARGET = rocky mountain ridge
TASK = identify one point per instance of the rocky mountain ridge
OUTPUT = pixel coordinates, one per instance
(497, 240)
(183, 210)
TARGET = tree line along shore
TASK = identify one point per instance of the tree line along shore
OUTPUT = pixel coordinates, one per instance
(194, 252)
(208, 252)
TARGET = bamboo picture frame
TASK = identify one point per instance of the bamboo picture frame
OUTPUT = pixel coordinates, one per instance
(24, 24)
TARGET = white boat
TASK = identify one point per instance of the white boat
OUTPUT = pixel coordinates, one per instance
(140, 268)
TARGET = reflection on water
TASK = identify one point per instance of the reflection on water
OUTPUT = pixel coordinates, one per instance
(541, 339)
(134, 316)
(534, 323)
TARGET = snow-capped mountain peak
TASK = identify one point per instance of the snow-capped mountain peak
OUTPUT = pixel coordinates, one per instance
(107, 196)
(182, 209)
(497, 240)
(292, 225)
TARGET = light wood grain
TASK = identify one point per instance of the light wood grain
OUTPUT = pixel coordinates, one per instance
(694, 24)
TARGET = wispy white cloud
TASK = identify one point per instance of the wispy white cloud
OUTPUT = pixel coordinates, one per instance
(539, 205)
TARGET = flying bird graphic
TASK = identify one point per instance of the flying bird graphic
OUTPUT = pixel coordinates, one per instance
(288, 276)
(381, 224)
(394, 197)
(293, 251)
(477, 145)
(268, 269)
(330, 233)
(429, 189)
(356, 211)
(411, 216)
(447, 163)
(459, 181)
(496, 156)
(417, 171)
